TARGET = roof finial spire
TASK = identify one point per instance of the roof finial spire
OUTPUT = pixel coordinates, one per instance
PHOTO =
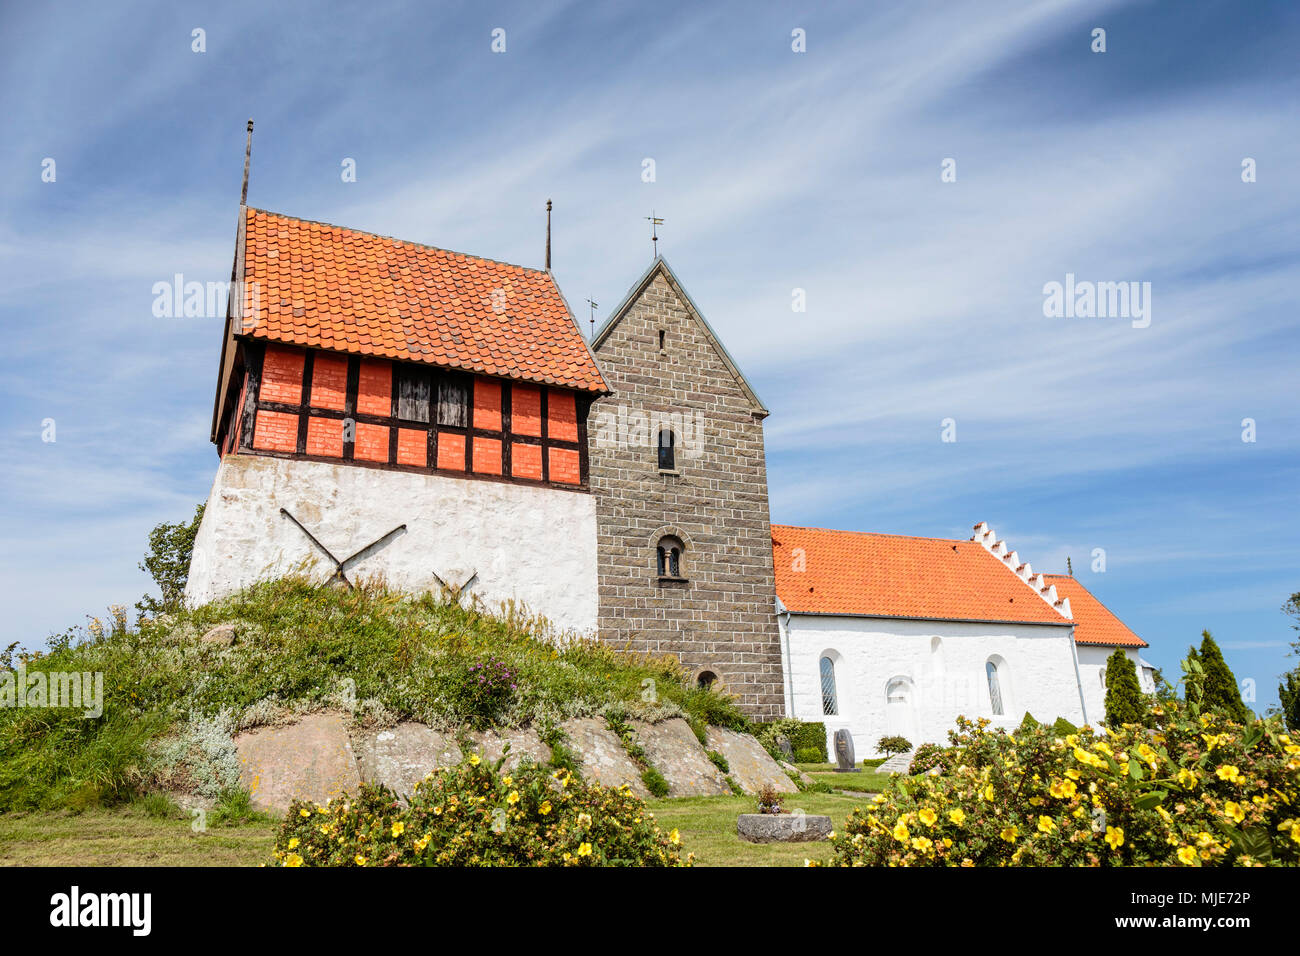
(593, 303)
(1069, 568)
(655, 223)
(248, 152)
(548, 235)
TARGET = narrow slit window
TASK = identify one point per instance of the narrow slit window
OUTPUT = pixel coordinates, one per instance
(667, 450)
(661, 340)
(995, 688)
(830, 704)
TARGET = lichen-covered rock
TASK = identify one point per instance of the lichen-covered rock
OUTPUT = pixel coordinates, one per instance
(797, 827)
(752, 767)
(308, 760)
(524, 744)
(400, 757)
(604, 760)
(673, 749)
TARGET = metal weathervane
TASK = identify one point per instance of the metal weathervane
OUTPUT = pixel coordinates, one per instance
(339, 566)
(655, 223)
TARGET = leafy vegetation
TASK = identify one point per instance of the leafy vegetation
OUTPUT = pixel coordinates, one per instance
(170, 697)
(168, 563)
(1220, 689)
(893, 745)
(475, 814)
(1124, 701)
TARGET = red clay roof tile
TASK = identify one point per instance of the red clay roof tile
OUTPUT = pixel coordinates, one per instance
(371, 295)
(1093, 621)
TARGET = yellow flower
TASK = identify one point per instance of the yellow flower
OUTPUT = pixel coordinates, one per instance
(1165, 815)
(900, 832)
(507, 781)
(957, 816)
(513, 798)
(1062, 789)
(923, 844)
(1228, 772)
(1187, 778)
(1204, 839)
(1148, 756)
(988, 793)
(584, 849)
(1233, 811)
(293, 859)
(545, 808)
(584, 820)
(293, 843)
(421, 843)
(360, 860)
(1010, 833)
(474, 760)
(1045, 825)
(399, 828)
(1187, 856)
(304, 813)
(928, 816)
(1115, 837)
(675, 838)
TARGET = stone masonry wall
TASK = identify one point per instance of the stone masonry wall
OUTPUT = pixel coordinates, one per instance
(722, 618)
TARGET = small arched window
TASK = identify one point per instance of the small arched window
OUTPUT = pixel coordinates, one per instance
(667, 450)
(706, 679)
(830, 702)
(668, 558)
(995, 688)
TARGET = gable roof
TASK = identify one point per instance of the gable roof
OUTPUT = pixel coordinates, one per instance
(660, 267)
(329, 287)
(1093, 621)
(887, 575)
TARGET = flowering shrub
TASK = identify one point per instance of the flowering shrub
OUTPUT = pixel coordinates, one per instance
(475, 815)
(483, 689)
(1193, 790)
(770, 800)
(930, 756)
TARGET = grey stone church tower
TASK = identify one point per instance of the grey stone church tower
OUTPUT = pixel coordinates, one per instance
(678, 471)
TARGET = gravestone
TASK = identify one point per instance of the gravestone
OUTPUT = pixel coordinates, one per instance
(783, 744)
(844, 752)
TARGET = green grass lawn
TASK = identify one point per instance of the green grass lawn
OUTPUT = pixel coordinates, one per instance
(128, 836)
(866, 781)
(708, 828)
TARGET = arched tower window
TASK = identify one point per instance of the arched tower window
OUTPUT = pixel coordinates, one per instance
(667, 450)
(706, 679)
(995, 688)
(830, 702)
(669, 558)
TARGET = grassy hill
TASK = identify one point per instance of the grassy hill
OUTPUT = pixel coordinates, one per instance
(172, 701)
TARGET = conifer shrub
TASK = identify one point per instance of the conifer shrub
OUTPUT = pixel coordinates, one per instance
(1124, 701)
(475, 814)
(1195, 789)
(1220, 688)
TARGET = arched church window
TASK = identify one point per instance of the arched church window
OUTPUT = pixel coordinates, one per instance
(668, 558)
(995, 688)
(830, 701)
(667, 450)
(706, 679)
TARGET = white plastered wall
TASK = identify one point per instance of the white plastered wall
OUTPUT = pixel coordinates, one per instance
(944, 678)
(530, 544)
(1092, 673)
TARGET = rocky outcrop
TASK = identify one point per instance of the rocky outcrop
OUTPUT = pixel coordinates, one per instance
(309, 760)
(401, 756)
(752, 767)
(673, 749)
(603, 757)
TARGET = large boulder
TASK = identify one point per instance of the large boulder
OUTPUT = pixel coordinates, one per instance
(797, 827)
(308, 760)
(752, 767)
(524, 744)
(400, 757)
(601, 753)
(673, 749)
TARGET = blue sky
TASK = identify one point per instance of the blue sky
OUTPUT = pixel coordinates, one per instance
(775, 171)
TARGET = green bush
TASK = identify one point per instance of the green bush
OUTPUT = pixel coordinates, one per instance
(654, 782)
(1063, 728)
(803, 735)
(720, 761)
(1193, 790)
(809, 755)
(1124, 701)
(476, 815)
(893, 745)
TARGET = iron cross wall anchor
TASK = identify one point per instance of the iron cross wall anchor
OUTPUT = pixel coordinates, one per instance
(338, 575)
(455, 592)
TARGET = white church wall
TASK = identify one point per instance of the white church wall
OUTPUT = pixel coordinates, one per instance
(940, 670)
(1092, 672)
(531, 544)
